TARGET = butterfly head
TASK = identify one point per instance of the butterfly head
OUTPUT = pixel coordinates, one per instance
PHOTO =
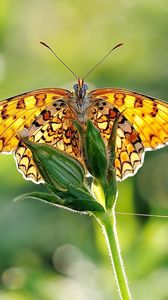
(80, 89)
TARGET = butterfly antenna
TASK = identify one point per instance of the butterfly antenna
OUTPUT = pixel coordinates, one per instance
(118, 45)
(44, 44)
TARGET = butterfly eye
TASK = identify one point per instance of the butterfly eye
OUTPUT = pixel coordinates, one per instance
(75, 87)
(85, 87)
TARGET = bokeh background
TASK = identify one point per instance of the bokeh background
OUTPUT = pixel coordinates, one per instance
(48, 253)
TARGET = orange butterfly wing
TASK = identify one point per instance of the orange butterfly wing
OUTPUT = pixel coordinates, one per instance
(20, 111)
(56, 130)
(33, 111)
(144, 125)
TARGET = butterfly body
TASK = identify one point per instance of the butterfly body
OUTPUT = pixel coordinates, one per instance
(48, 114)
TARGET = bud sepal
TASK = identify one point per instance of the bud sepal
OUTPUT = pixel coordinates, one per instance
(85, 205)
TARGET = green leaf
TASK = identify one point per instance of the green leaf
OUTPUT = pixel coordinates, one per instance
(73, 191)
(79, 205)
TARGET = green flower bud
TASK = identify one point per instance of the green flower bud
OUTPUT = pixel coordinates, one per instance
(57, 168)
(95, 155)
(111, 189)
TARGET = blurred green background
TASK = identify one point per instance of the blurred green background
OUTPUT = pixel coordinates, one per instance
(48, 253)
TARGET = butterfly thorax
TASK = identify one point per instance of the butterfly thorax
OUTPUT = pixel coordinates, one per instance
(80, 100)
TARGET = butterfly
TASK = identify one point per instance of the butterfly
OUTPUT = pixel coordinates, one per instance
(48, 115)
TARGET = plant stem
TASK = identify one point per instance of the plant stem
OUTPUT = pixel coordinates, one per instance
(108, 223)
